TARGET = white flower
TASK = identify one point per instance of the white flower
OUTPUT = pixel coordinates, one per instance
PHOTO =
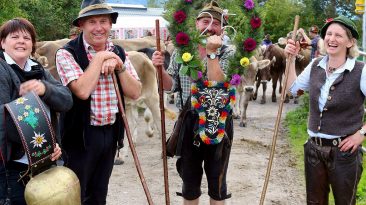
(20, 100)
(38, 140)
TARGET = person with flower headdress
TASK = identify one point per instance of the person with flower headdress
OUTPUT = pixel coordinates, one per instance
(191, 150)
(19, 76)
(337, 87)
(93, 128)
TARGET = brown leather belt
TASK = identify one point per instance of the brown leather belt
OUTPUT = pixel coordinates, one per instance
(327, 142)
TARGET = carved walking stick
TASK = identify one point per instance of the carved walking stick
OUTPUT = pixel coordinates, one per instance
(162, 114)
(283, 95)
(130, 142)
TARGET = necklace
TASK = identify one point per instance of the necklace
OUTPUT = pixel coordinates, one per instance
(332, 69)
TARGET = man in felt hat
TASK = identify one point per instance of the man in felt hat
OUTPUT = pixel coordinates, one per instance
(313, 40)
(191, 149)
(94, 125)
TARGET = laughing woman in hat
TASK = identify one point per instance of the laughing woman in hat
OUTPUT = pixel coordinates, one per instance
(337, 89)
(19, 75)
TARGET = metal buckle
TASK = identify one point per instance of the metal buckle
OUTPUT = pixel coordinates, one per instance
(335, 142)
(196, 143)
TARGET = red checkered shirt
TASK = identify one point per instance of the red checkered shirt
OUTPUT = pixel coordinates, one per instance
(104, 102)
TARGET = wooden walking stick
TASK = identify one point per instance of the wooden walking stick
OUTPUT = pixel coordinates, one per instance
(130, 142)
(283, 95)
(162, 114)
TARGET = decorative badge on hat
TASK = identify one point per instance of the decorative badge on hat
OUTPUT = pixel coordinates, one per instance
(35, 130)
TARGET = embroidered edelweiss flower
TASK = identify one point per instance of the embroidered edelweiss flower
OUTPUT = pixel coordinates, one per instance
(25, 114)
(20, 100)
(27, 107)
(36, 110)
(212, 111)
(20, 118)
(38, 140)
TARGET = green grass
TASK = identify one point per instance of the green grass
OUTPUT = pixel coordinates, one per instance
(296, 123)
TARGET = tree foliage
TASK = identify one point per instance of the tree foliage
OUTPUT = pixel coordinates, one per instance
(51, 18)
(10, 9)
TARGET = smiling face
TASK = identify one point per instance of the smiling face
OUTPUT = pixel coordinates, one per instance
(337, 40)
(96, 30)
(18, 45)
(204, 22)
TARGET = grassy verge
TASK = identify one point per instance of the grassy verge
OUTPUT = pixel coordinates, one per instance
(296, 122)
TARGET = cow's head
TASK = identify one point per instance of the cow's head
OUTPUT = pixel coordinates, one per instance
(248, 79)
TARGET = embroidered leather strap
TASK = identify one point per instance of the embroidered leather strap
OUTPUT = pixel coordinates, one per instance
(35, 130)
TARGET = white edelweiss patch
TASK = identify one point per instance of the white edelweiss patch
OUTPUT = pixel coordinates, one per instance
(20, 100)
(38, 140)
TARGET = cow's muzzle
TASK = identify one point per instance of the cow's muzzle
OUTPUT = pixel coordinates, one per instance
(249, 88)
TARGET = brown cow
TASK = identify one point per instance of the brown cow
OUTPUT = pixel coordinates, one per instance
(245, 89)
(274, 71)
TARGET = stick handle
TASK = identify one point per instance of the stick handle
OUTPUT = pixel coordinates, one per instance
(275, 134)
(162, 114)
(130, 142)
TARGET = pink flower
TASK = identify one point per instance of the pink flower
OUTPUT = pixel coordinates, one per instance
(328, 20)
(235, 79)
(188, 1)
(199, 75)
(249, 44)
(182, 38)
(255, 22)
(249, 4)
(180, 16)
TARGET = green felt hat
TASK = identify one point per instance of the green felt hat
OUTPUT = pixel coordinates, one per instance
(344, 21)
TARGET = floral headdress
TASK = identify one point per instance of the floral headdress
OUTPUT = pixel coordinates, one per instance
(249, 31)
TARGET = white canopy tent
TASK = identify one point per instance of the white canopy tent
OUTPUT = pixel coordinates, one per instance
(136, 26)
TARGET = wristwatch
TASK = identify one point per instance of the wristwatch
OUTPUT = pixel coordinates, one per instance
(212, 56)
(363, 131)
(122, 69)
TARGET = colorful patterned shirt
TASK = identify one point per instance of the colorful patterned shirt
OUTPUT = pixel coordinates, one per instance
(104, 102)
(185, 81)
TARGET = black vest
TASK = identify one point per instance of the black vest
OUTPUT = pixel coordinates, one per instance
(77, 120)
(343, 112)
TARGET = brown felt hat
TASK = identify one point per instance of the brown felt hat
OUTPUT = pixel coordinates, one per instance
(94, 8)
(214, 9)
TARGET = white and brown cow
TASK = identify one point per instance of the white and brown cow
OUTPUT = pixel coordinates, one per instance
(246, 88)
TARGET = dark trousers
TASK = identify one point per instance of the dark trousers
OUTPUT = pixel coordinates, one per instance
(327, 166)
(16, 194)
(214, 158)
(93, 165)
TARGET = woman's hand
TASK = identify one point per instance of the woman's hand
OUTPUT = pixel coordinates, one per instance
(292, 48)
(56, 153)
(352, 142)
(36, 86)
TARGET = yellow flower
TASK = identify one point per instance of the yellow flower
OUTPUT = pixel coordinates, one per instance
(187, 57)
(244, 61)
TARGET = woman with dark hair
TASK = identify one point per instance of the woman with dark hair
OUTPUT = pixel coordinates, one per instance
(337, 89)
(20, 75)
